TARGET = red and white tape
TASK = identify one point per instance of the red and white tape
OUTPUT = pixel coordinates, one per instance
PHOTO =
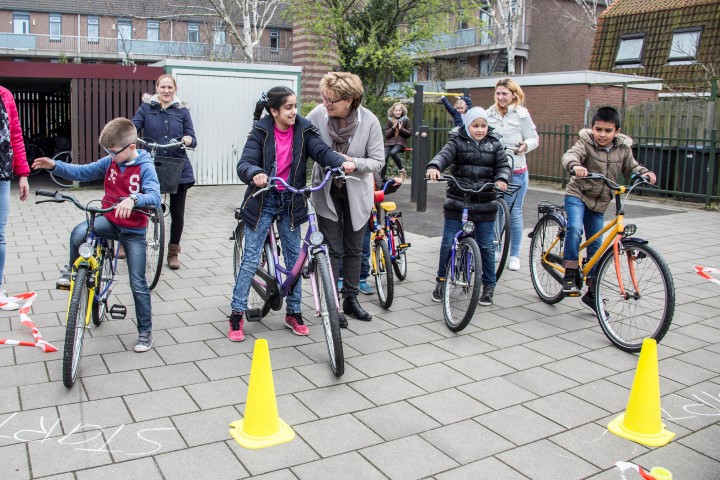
(705, 273)
(29, 298)
(627, 466)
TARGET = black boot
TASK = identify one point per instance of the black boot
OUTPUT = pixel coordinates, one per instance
(352, 307)
(342, 321)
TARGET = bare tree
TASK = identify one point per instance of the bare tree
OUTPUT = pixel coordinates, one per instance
(586, 13)
(507, 16)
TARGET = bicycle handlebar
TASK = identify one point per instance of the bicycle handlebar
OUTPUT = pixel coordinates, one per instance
(635, 180)
(58, 197)
(274, 181)
(471, 188)
(156, 146)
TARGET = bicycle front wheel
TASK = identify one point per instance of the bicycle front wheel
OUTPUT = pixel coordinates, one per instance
(75, 329)
(65, 157)
(400, 261)
(103, 283)
(547, 243)
(501, 241)
(463, 281)
(384, 285)
(154, 247)
(327, 302)
(645, 309)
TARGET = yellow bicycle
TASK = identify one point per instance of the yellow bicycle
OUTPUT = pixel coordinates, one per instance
(634, 290)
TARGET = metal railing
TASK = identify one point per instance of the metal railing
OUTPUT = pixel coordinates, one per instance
(485, 39)
(137, 49)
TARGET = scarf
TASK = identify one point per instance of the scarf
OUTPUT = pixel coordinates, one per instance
(341, 136)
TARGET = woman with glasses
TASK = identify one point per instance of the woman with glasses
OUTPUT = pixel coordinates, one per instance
(164, 118)
(344, 207)
(509, 118)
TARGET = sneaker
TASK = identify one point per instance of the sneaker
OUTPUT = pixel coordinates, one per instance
(235, 330)
(63, 283)
(365, 289)
(294, 322)
(514, 264)
(569, 283)
(438, 292)
(589, 300)
(5, 305)
(486, 299)
(144, 343)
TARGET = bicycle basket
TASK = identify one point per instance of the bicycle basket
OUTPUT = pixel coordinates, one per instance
(168, 171)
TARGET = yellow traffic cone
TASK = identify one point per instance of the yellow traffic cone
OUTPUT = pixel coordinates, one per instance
(642, 422)
(261, 426)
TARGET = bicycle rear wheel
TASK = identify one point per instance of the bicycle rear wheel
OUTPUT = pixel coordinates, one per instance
(463, 281)
(327, 302)
(154, 247)
(546, 242)
(255, 300)
(65, 157)
(400, 261)
(646, 308)
(75, 329)
(383, 273)
(103, 283)
(501, 241)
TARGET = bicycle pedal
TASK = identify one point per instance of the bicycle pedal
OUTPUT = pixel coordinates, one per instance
(572, 294)
(118, 312)
(62, 287)
(403, 246)
(253, 315)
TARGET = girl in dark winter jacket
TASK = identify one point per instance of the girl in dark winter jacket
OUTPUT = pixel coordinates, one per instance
(278, 145)
(397, 131)
(163, 118)
(475, 155)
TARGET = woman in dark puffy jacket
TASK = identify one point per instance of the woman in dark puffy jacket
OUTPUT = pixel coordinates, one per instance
(164, 118)
(474, 155)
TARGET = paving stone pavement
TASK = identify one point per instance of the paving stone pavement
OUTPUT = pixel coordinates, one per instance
(524, 392)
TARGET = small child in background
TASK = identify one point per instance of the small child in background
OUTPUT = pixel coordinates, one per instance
(462, 105)
(397, 131)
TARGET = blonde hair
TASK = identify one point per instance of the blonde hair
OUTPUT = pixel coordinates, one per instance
(163, 76)
(118, 132)
(344, 85)
(512, 85)
(397, 104)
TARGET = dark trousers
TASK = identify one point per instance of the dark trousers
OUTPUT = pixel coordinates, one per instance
(345, 244)
(177, 212)
(392, 152)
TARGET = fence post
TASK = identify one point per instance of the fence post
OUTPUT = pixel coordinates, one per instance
(712, 159)
(424, 158)
(416, 122)
(566, 147)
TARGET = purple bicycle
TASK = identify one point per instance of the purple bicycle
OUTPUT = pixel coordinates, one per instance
(268, 287)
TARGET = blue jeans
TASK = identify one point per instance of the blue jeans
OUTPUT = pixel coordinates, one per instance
(516, 218)
(134, 245)
(484, 234)
(4, 212)
(255, 239)
(579, 216)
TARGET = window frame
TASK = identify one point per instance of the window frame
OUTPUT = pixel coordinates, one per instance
(95, 22)
(152, 26)
(686, 57)
(274, 35)
(124, 22)
(21, 18)
(194, 28)
(630, 61)
(55, 20)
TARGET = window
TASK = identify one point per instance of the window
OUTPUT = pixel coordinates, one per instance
(485, 66)
(463, 24)
(630, 50)
(124, 29)
(153, 31)
(21, 22)
(486, 29)
(193, 33)
(93, 30)
(684, 45)
(274, 41)
(55, 26)
(219, 37)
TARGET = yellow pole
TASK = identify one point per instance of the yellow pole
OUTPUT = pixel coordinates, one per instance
(447, 94)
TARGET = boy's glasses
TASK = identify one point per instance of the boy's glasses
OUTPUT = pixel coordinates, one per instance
(113, 153)
(328, 101)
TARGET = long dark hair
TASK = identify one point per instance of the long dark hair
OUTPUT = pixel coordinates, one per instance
(274, 98)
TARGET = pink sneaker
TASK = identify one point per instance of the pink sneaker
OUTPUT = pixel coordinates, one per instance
(295, 322)
(235, 332)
